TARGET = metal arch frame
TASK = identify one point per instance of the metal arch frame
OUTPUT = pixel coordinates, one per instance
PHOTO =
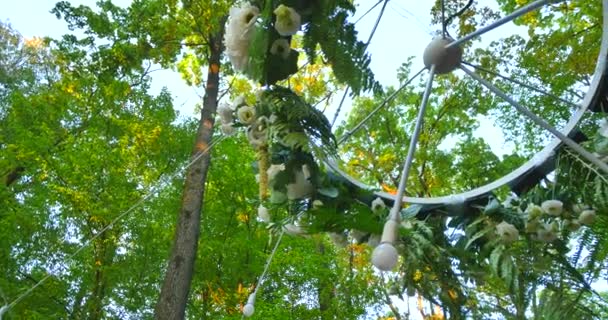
(540, 158)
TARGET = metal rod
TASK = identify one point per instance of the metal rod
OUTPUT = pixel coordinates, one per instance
(356, 128)
(394, 214)
(514, 15)
(522, 84)
(539, 121)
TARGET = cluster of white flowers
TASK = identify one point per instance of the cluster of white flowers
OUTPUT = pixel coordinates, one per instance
(544, 221)
(257, 127)
(226, 113)
(239, 32)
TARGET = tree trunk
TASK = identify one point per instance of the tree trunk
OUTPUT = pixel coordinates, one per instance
(174, 293)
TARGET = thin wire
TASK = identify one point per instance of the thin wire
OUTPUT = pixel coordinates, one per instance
(369, 40)
(520, 83)
(356, 128)
(266, 267)
(274, 250)
(152, 191)
(368, 11)
(455, 15)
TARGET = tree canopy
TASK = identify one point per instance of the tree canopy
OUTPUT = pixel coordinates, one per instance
(115, 206)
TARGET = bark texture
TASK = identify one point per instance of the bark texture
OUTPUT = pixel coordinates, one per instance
(176, 286)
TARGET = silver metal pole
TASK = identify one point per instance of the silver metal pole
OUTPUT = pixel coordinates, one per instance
(514, 15)
(539, 121)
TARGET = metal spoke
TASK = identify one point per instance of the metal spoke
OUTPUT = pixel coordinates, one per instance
(539, 121)
(394, 215)
(521, 84)
(356, 128)
(514, 15)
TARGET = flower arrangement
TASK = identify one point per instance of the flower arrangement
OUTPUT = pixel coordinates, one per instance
(291, 137)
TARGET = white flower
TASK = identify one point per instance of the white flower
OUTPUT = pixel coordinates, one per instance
(293, 229)
(238, 102)
(256, 138)
(532, 226)
(226, 113)
(273, 170)
(378, 205)
(239, 32)
(263, 214)
(300, 188)
(339, 239)
(507, 232)
(552, 207)
(227, 129)
(579, 207)
(256, 133)
(288, 20)
(587, 217)
(280, 47)
(547, 233)
(246, 114)
(603, 131)
(533, 211)
(317, 204)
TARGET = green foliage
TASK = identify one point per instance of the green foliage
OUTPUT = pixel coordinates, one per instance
(337, 37)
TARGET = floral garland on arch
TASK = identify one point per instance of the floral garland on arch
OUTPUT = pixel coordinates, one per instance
(291, 137)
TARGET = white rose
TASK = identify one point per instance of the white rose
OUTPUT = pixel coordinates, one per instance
(288, 20)
(378, 205)
(553, 207)
(587, 217)
(280, 47)
(246, 114)
(226, 113)
(534, 211)
(238, 35)
(546, 234)
(507, 232)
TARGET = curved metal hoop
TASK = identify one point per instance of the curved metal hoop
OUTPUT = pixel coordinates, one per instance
(592, 97)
